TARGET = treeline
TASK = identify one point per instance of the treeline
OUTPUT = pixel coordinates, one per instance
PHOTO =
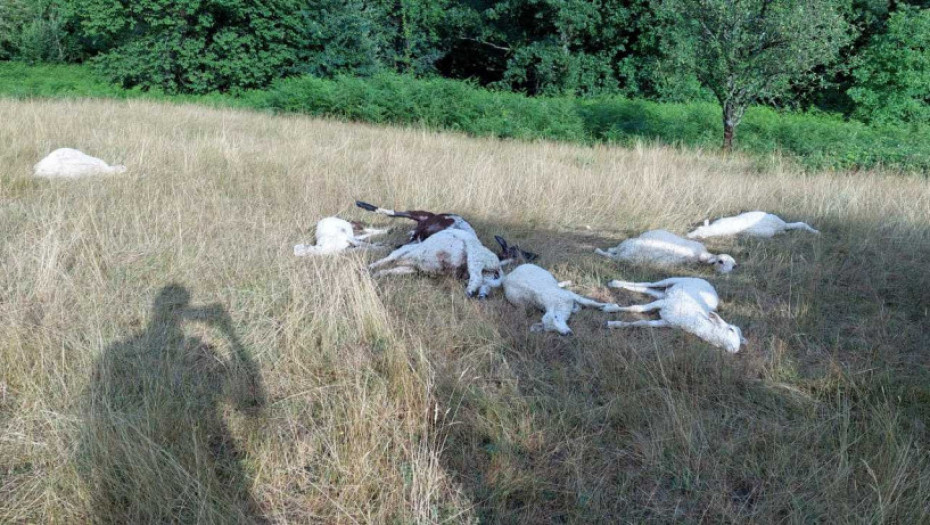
(875, 65)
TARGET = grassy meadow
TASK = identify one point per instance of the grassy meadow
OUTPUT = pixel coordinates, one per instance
(164, 357)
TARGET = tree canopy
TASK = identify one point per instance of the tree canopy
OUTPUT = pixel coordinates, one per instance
(745, 51)
(736, 51)
(893, 72)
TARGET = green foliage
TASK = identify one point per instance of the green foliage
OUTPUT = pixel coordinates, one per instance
(20, 80)
(342, 37)
(363, 37)
(435, 103)
(191, 46)
(816, 141)
(893, 72)
(35, 31)
(752, 50)
(563, 46)
(776, 52)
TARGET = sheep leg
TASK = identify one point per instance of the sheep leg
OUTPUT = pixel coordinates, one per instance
(645, 288)
(393, 256)
(370, 232)
(357, 243)
(476, 280)
(642, 308)
(800, 226)
(634, 287)
(657, 323)
(302, 250)
(487, 284)
(400, 270)
(591, 303)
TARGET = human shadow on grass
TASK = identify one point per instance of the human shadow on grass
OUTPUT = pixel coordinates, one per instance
(156, 447)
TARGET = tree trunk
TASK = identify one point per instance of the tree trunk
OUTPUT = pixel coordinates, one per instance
(730, 120)
(729, 131)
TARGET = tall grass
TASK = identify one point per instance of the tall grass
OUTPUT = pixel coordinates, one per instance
(815, 141)
(164, 357)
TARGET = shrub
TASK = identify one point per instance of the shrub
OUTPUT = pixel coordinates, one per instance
(893, 73)
(817, 141)
(191, 46)
(34, 31)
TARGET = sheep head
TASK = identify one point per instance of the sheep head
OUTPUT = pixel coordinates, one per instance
(511, 253)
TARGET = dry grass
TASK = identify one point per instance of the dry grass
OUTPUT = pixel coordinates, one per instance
(299, 390)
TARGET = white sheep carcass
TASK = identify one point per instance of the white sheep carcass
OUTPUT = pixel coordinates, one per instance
(750, 224)
(686, 303)
(529, 285)
(335, 235)
(70, 163)
(663, 248)
(448, 251)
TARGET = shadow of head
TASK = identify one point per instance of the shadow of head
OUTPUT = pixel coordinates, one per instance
(170, 301)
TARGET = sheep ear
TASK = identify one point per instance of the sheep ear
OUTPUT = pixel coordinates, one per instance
(500, 240)
(529, 256)
(366, 206)
(716, 319)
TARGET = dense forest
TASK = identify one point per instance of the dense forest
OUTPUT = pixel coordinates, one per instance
(865, 59)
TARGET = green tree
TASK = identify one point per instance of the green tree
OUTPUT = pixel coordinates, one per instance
(551, 46)
(746, 51)
(34, 31)
(892, 75)
(191, 46)
(362, 37)
(343, 37)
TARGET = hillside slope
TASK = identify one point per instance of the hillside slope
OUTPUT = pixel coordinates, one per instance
(163, 356)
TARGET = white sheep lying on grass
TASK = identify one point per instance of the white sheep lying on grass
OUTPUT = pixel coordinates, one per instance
(751, 224)
(70, 163)
(529, 285)
(448, 251)
(663, 248)
(335, 235)
(686, 303)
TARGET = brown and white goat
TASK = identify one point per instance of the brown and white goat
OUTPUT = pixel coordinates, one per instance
(428, 223)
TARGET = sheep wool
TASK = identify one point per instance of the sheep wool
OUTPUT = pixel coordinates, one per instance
(67, 163)
(335, 235)
(446, 252)
(529, 285)
(750, 224)
(685, 303)
(663, 248)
